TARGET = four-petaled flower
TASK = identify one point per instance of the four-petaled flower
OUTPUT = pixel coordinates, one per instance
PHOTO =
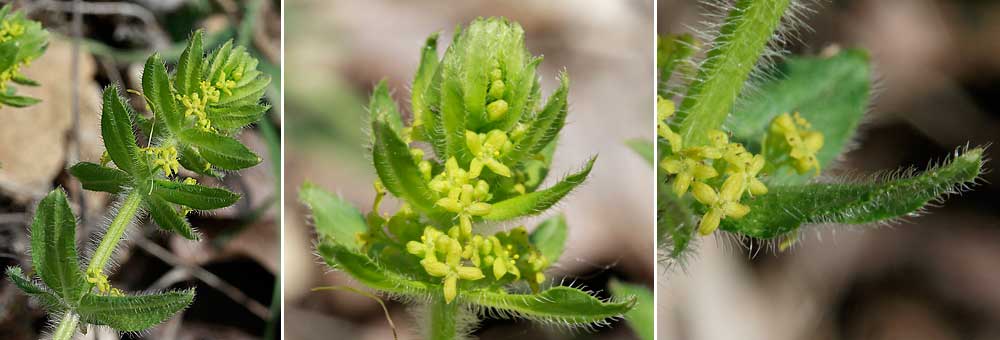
(486, 149)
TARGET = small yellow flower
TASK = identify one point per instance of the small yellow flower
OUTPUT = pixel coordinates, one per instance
(486, 150)
(801, 142)
(722, 204)
(686, 170)
(664, 110)
(452, 270)
(164, 157)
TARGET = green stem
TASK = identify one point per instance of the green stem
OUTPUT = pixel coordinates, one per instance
(115, 231)
(67, 327)
(741, 41)
(443, 320)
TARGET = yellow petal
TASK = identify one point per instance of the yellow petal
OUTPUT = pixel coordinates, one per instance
(472, 141)
(499, 268)
(702, 171)
(732, 188)
(449, 204)
(497, 167)
(735, 210)
(470, 273)
(479, 209)
(704, 193)
(475, 168)
(434, 267)
(757, 187)
(450, 288)
(681, 184)
(709, 222)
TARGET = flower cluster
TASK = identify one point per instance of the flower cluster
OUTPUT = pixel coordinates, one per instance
(163, 157)
(793, 136)
(718, 175)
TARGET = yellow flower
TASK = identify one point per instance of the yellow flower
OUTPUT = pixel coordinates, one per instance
(686, 170)
(486, 149)
(722, 204)
(452, 270)
(664, 110)
(801, 142)
(165, 158)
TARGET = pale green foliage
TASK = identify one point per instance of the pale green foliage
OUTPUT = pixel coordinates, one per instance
(479, 110)
(21, 41)
(828, 95)
(195, 114)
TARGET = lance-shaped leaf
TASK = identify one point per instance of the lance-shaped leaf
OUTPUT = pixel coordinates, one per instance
(32, 288)
(561, 304)
(191, 159)
(221, 151)
(133, 313)
(370, 273)
(536, 202)
(156, 88)
(641, 317)
(168, 218)
(832, 93)
(421, 83)
(189, 66)
(784, 208)
(53, 247)
(97, 177)
(18, 101)
(193, 195)
(333, 217)
(235, 117)
(116, 130)
(522, 93)
(544, 127)
(382, 108)
(452, 106)
(397, 170)
(550, 237)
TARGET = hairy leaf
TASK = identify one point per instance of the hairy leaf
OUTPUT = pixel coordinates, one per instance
(235, 117)
(222, 151)
(189, 66)
(193, 195)
(383, 108)
(536, 202)
(369, 273)
(116, 130)
(32, 288)
(53, 247)
(422, 80)
(333, 217)
(672, 52)
(168, 218)
(96, 177)
(831, 93)
(133, 313)
(784, 208)
(544, 127)
(560, 304)
(156, 87)
(397, 170)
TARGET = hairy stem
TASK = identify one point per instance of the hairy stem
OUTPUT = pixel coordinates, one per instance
(67, 327)
(115, 231)
(741, 41)
(443, 320)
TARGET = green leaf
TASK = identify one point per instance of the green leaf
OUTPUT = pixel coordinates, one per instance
(561, 304)
(168, 218)
(133, 313)
(18, 101)
(536, 202)
(784, 208)
(544, 127)
(193, 195)
(370, 273)
(333, 217)
(156, 88)
(33, 289)
(234, 117)
(641, 317)
(422, 80)
(222, 151)
(22, 80)
(397, 170)
(831, 93)
(643, 147)
(191, 159)
(189, 65)
(96, 177)
(550, 237)
(382, 108)
(53, 247)
(727, 66)
(116, 130)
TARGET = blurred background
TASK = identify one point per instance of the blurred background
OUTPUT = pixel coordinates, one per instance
(338, 50)
(931, 277)
(234, 268)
